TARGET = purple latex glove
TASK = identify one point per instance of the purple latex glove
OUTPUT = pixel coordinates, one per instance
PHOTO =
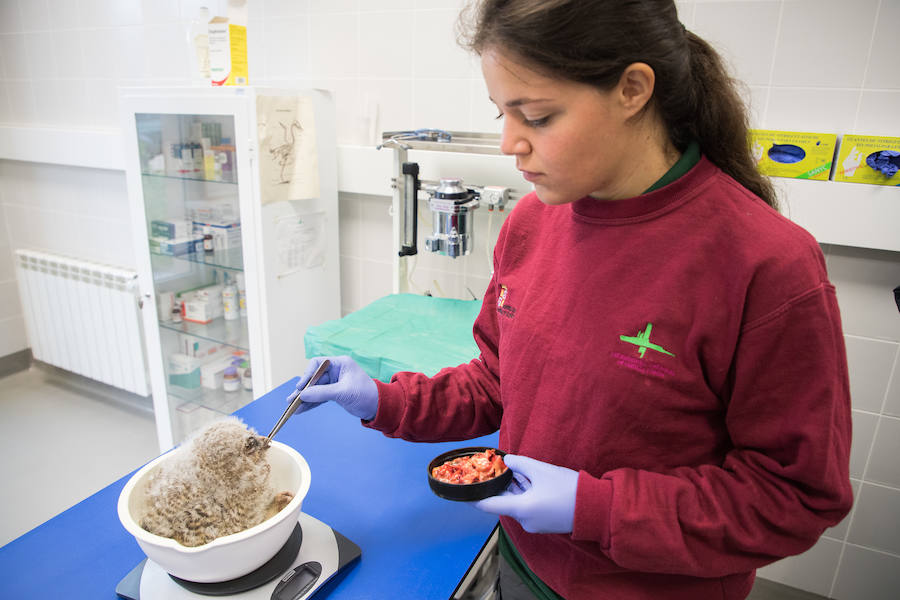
(344, 382)
(541, 496)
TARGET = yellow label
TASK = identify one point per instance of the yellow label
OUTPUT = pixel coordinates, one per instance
(868, 159)
(794, 154)
(237, 38)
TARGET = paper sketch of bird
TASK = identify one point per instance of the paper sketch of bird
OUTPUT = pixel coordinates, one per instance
(283, 154)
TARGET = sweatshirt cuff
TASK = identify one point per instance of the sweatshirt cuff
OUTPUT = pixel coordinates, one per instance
(593, 502)
(389, 411)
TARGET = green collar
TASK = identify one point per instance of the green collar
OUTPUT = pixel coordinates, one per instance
(689, 158)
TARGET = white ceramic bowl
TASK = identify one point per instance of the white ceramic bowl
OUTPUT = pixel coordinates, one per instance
(230, 556)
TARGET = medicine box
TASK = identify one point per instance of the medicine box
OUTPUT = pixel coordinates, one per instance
(178, 246)
(794, 154)
(227, 52)
(869, 159)
(170, 230)
(184, 371)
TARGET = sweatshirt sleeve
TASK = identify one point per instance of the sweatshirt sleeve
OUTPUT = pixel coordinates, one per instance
(785, 480)
(457, 403)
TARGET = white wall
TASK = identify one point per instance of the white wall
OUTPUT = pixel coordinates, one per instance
(814, 65)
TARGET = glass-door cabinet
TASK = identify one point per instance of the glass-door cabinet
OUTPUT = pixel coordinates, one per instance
(225, 248)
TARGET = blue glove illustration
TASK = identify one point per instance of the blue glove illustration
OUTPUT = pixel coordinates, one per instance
(344, 382)
(541, 496)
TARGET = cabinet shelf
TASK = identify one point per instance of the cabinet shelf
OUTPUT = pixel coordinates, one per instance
(231, 259)
(232, 333)
(230, 181)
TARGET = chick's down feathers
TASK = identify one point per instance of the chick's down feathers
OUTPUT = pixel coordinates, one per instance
(215, 484)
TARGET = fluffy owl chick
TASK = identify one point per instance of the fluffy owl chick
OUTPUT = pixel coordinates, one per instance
(215, 484)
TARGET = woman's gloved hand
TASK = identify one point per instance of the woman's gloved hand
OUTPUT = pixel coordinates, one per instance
(344, 382)
(541, 496)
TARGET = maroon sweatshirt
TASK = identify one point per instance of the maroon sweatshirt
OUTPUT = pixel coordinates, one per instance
(683, 351)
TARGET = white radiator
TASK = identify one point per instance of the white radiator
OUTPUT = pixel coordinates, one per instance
(84, 317)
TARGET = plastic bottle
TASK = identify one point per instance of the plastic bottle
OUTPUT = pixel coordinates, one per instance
(247, 380)
(208, 239)
(242, 294)
(198, 48)
(230, 306)
(231, 381)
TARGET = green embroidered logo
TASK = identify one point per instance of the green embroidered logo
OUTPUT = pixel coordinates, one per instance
(642, 341)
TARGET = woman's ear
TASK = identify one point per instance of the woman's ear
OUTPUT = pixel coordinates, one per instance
(635, 88)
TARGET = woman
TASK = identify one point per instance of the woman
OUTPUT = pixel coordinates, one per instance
(660, 349)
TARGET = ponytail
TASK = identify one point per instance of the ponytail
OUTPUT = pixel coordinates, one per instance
(719, 122)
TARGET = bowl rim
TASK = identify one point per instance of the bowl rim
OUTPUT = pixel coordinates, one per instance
(142, 535)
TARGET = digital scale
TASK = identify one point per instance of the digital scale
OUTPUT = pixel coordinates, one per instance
(312, 555)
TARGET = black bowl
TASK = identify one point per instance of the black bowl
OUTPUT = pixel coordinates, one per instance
(468, 492)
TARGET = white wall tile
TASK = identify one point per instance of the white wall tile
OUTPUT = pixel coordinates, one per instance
(882, 71)
(743, 33)
(686, 10)
(884, 465)
(157, 12)
(812, 571)
(870, 362)
(437, 53)
(10, 306)
(892, 403)
(161, 52)
(867, 575)
(351, 277)
(15, 55)
(22, 107)
(40, 52)
(10, 17)
(394, 100)
(63, 14)
(875, 524)
(864, 426)
(376, 229)
(864, 280)
(878, 114)
(375, 282)
(334, 45)
(5, 112)
(824, 42)
(100, 51)
(286, 47)
(34, 14)
(806, 109)
(377, 5)
(12, 336)
(351, 225)
(103, 101)
(285, 8)
(434, 107)
(483, 112)
(333, 6)
(110, 13)
(59, 103)
(67, 54)
(383, 51)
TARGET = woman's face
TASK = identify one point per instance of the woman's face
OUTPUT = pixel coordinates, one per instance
(570, 139)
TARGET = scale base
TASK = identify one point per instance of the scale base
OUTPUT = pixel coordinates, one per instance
(323, 552)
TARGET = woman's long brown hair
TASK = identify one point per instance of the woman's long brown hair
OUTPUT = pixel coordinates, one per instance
(593, 41)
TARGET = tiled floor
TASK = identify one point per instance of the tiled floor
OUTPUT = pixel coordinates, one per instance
(62, 438)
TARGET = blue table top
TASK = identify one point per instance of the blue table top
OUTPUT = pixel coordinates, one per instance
(371, 488)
